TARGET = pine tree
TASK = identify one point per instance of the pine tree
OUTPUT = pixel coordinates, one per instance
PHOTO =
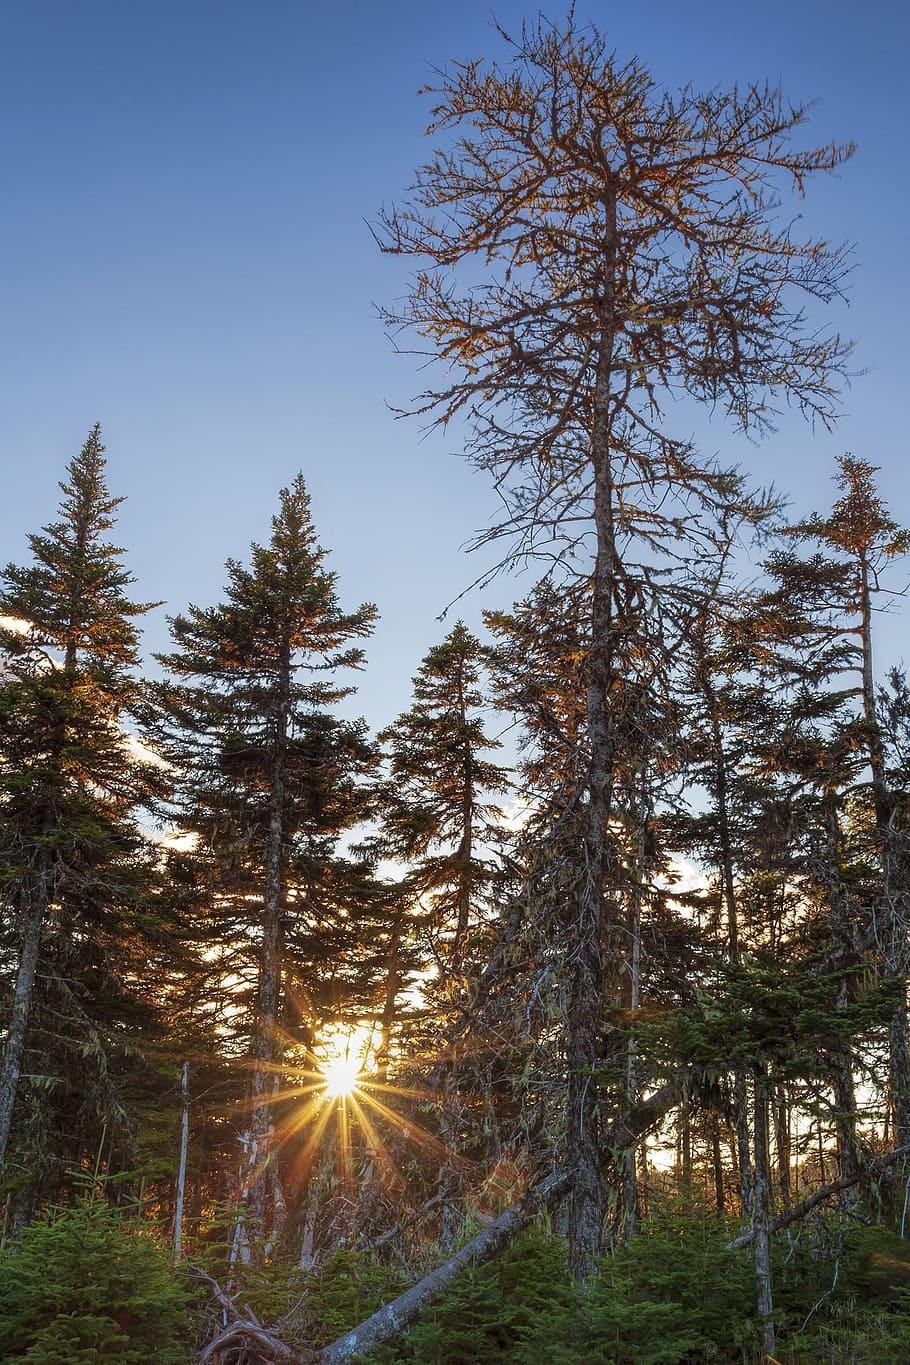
(270, 781)
(74, 867)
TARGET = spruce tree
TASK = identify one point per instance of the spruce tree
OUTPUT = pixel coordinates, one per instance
(438, 816)
(74, 867)
(863, 538)
(269, 781)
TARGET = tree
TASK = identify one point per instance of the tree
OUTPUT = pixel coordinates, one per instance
(438, 817)
(863, 536)
(629, 255)
(70, 781)
(269, 779)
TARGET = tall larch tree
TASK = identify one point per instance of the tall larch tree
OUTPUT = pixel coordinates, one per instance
(621, 250)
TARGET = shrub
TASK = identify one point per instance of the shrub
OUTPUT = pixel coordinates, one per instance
(90, 1284)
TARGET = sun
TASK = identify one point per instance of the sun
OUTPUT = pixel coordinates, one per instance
(341, 1075)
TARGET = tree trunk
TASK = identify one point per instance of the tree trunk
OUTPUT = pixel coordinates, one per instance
(390, 1003)
(782, 1144)
(181, 1169)
(465, 849)
(587, 941)
(899, 1041)
(269, 989)
(717, 1162)
(760, 1211)
(894, 876)
(630, 1190)
(728, 889)
(11, 1068)
(849, 1155)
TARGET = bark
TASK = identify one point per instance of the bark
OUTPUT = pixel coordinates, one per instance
(760, 1211)
(181, 1169)
(586, 982)
(11, 1068)
(896, 955)
(269, 986)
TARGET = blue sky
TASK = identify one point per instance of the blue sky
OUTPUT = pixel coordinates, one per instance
(184, 256)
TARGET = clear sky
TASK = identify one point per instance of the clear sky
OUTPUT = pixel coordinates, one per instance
(183, 254)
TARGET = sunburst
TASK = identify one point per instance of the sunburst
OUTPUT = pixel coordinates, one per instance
(341, 1074)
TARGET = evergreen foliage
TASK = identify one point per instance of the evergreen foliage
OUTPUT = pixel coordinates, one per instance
(91, 1283)
(88, 929)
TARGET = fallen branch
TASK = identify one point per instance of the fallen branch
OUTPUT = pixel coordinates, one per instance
(241, 1329)
(244, 1333)
(803, 1209)
(395, 1317)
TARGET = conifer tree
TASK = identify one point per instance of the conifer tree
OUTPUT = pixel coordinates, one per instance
(270, 779)
(630, 254)
(863, 537)
(438, 815)
(70, 782)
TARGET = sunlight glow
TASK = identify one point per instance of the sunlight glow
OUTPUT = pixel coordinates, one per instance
(341, 1076)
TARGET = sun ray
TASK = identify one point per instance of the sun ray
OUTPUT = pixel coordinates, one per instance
(414, 1131)
(304, 1159)
(428, 1096)
(344, 1142)
(298, 1119)
(376, 1143)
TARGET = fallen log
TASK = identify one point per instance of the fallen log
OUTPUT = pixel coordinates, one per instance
(396, 1317)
